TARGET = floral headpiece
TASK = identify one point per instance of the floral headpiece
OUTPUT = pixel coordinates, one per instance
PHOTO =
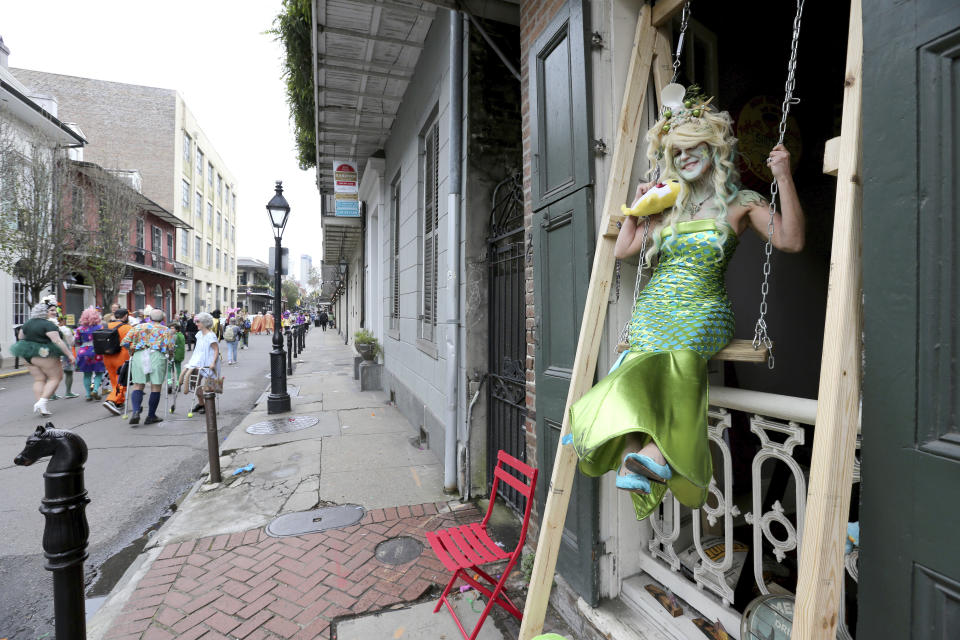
(681, 105)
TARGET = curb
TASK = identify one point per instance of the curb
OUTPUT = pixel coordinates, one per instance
(10, 374)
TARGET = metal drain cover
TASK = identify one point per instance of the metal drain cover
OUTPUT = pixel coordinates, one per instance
(399, 550)
(295, 524)
(282, 425)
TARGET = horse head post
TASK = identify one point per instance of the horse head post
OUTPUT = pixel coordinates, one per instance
(66, 532)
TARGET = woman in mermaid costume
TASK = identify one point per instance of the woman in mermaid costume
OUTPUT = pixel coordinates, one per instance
(647, 419)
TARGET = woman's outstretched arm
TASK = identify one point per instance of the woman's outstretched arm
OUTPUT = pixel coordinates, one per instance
(789, 226)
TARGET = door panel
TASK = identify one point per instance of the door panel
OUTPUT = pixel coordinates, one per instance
(909, 560)
(559, 108)
(563, 246)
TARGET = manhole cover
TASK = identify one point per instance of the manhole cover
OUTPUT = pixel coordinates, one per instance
(295, 524)
(399, 550)
(282, 425)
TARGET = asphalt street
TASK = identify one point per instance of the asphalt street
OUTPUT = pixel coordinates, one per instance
(133, 477)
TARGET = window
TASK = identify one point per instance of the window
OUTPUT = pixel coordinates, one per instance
(198, 301)
(233, 203)
(21, 309)
(140, 233)
(170, 252)
(198, 202)
(217, 303)
(218, 259)
(209, 255)
(187, 147)
(226, 198)
(210, 175)
(185, 195)
(219, 221)
(184, 242)
(210, 215)
(158, 297)
(156, 240)
(139, 295)
(219, 186)
(199, 163)
(233, 233)
(395, 254)
(197, 249)
(77, 207)
(431, 217)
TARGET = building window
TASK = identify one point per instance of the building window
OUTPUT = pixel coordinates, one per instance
(217, 303)
(184, 242)
(170, 252)
(77, 207)
(210, 215)
(185, 195)
(219, 222)
(198, 202)
(140, 233)
(156, 240)
(395, 254)
(199, 163)
(197, 249)
(158, 297)
(209, 255)
(139, 295)
(430, 155)
(21, 308)
(219, 186)
(218, 259)
(168, 305)
(226, 197)
(210, 175)
(233, 203)
(187, 147)
(233, 234)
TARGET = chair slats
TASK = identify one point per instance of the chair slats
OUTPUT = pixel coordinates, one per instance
(466, 548)
(524, 489)
(477, 545)
(522, 467)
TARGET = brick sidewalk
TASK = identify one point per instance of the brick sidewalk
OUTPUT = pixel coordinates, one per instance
(249, 585)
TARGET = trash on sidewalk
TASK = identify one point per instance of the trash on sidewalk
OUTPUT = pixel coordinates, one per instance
(246, 469)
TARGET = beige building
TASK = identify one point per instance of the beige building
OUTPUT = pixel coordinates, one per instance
(153, 131)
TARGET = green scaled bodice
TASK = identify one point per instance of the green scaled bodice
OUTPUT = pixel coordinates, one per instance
(685, 304)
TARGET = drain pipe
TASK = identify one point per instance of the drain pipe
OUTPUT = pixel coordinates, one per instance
(452, 339)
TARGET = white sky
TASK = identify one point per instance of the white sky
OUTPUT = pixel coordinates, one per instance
(214, 52)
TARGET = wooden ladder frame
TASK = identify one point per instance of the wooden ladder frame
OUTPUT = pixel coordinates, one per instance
(821, 570)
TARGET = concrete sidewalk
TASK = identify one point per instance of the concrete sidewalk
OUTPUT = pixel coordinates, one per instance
(212, 571)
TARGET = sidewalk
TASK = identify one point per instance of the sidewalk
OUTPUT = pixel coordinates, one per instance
(212, 571)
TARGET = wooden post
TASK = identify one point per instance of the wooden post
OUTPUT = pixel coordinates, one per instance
(831, 472)
(591, 328)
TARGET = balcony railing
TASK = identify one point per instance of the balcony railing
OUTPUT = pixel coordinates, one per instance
(155, 260)
(255, 290)
(780, 424)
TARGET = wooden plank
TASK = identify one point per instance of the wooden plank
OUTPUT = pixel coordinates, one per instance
(662, 61)
(665, 9)
(831, 156)
(591, 328)
(819, 585)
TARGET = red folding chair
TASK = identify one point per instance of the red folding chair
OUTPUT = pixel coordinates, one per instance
(464, 549)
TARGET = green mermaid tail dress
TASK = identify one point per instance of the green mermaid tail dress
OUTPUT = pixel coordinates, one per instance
(659, 387)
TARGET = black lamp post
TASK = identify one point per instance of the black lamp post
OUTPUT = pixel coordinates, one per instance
(279, 400)
(344, 268)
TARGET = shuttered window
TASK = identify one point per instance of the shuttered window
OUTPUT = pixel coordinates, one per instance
(431, 218)
(395, 255)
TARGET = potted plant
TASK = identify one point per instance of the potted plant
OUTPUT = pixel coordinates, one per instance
(366, 344)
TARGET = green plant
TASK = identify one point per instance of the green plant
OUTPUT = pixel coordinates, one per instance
(526, 567)
(293, 28)
(363, 336)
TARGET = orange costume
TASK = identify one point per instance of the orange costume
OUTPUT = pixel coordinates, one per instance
(113, 364)
(256, 324)
(268, 323)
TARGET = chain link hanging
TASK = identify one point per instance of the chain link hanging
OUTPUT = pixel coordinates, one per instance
(684, 21)
(760, 336)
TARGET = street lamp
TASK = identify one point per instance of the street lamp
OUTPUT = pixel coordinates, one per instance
(344, 268)
(279, 400)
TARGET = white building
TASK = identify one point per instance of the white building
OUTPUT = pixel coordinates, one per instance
(306, 265)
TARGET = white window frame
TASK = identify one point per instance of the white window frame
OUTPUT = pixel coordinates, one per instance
(185, 194)
(187, 152)
(429, 195)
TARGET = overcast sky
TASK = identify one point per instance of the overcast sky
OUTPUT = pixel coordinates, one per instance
(214, 52)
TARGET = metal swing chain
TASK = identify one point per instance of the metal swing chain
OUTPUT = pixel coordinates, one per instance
(760, 336)
(625, 331)
(684, 21)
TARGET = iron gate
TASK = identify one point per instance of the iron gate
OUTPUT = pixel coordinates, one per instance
(506, 391)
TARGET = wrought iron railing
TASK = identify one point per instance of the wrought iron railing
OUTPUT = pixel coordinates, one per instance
(781, 425)
(156, 260)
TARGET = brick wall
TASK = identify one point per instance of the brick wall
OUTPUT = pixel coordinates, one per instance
(535, 15)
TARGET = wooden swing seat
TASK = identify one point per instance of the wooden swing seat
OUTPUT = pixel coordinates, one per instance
(736, 351)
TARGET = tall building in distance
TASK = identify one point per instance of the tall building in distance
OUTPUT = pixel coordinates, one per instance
(151, 130)
(306, 265)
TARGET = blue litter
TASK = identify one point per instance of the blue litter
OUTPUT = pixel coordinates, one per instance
(239, 470)
(567, 439)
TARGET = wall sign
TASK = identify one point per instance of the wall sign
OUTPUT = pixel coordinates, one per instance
(345, 190)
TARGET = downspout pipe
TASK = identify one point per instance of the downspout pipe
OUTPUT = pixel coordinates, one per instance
(452, 333)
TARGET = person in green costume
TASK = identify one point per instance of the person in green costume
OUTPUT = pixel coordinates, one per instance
(647, 419)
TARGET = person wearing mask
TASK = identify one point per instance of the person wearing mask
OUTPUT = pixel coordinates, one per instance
(38, 343)
(89, 362)
(206, 358)
(148, 343)
(113, 363)
(67, 334)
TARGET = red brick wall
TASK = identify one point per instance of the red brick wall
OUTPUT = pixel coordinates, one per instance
(535, 15)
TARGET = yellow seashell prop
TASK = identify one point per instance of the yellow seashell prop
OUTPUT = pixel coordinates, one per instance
(658, 198)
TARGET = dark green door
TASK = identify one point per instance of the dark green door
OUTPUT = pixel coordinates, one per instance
(563, 241)
(910, 511)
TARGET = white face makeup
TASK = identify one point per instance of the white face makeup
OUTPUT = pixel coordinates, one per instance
(691, 164)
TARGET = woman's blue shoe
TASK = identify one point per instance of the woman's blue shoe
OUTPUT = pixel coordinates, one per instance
(645, 466)
(633, 482)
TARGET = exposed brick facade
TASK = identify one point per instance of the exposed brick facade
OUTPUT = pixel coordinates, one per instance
(535, 15)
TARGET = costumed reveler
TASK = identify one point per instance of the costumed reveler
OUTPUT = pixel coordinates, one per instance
(647, 418)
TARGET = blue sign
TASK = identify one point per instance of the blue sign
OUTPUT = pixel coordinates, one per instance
(347, 209)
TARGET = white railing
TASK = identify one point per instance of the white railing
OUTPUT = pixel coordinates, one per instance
(780, 422)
